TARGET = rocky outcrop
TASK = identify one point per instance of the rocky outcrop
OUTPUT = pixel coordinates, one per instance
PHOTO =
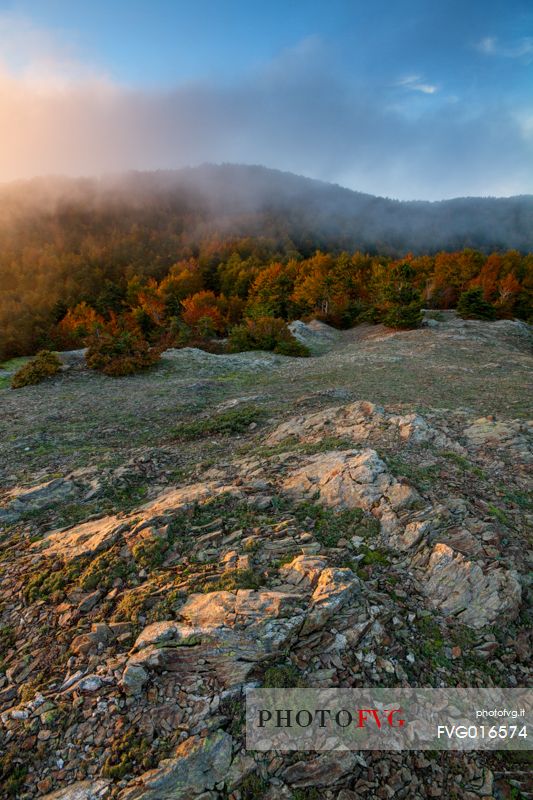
(220, 636)
(270, 585)
(196, 766)
(223, 635)
(83, 790)
(91, 537)
(352, 479)
(38, 498)
(460, 588)
(315, 335)
(362, 422)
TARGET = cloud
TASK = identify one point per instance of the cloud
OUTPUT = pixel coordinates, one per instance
(414, 82)
(297, 113)
(521, 49)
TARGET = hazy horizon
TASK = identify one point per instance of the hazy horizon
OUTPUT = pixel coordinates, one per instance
(115, 178)
(400, 100)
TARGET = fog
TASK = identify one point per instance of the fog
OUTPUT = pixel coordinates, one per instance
(293, 114)
(241, 200)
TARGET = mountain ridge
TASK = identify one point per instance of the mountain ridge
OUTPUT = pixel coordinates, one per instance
(221, 195)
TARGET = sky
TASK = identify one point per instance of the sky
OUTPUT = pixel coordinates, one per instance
(412, 99)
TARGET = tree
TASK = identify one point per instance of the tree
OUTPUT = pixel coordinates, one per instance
(399, 302)
(200, 306)
(471, 305)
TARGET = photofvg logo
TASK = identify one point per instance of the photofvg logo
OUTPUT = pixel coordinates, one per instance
(388, 719)
(343, 718)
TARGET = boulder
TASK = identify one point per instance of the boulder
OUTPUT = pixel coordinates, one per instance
(219, 634)
(303, 571)
(83, 790)
(38, 498)
(196, 766)
(459, 588)
(351, 479)
(333, 590)
(87, 539)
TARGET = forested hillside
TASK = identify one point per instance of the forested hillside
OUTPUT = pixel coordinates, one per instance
(163, 251)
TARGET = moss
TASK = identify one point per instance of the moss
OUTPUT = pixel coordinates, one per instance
(7, 637)
(291, 443)
(371, 559)
(523, 500)
(124, 497)
(127, 754)
(235, 420)
(328, 525)
(463, 463)
(131, 605)
(234, 580)
(28, 690)
(500, 515)
(50, 581)
(234, 711)
(253, 787)
(150, 554)
(102, 571)
(306, 794)
(12, 775)
(421, 477)
(284, 676)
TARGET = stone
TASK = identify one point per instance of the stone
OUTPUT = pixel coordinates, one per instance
(333, 590)
(83, 540)
(196, 766)
(241, 766)
(134, 678)
(354, 479)
(90, 683)
(221, 632)
(89, 602)
(324, 770)
(303, 571)
(38, 498)
(459, 588)
(83, 790)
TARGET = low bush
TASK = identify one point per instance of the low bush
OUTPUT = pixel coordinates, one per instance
(471, 305)
(234, 420)
(120, 353)
(265, 333)
(44, 365)
(404, 316)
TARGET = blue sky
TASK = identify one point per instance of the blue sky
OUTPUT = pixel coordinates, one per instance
(405, 98)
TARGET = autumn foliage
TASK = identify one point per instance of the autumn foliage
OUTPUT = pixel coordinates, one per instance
(246, 290)
(116, 349)
(44, 365)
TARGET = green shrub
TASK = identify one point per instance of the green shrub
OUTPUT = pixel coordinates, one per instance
(471, 305)
(235, 420)
(122, 353)
(44, 365)
(404, 316)
(265, 333)
(398, 299)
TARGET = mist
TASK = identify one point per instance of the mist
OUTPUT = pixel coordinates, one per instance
(293, 114)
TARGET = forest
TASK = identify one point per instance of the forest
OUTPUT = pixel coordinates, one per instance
(171, 268)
